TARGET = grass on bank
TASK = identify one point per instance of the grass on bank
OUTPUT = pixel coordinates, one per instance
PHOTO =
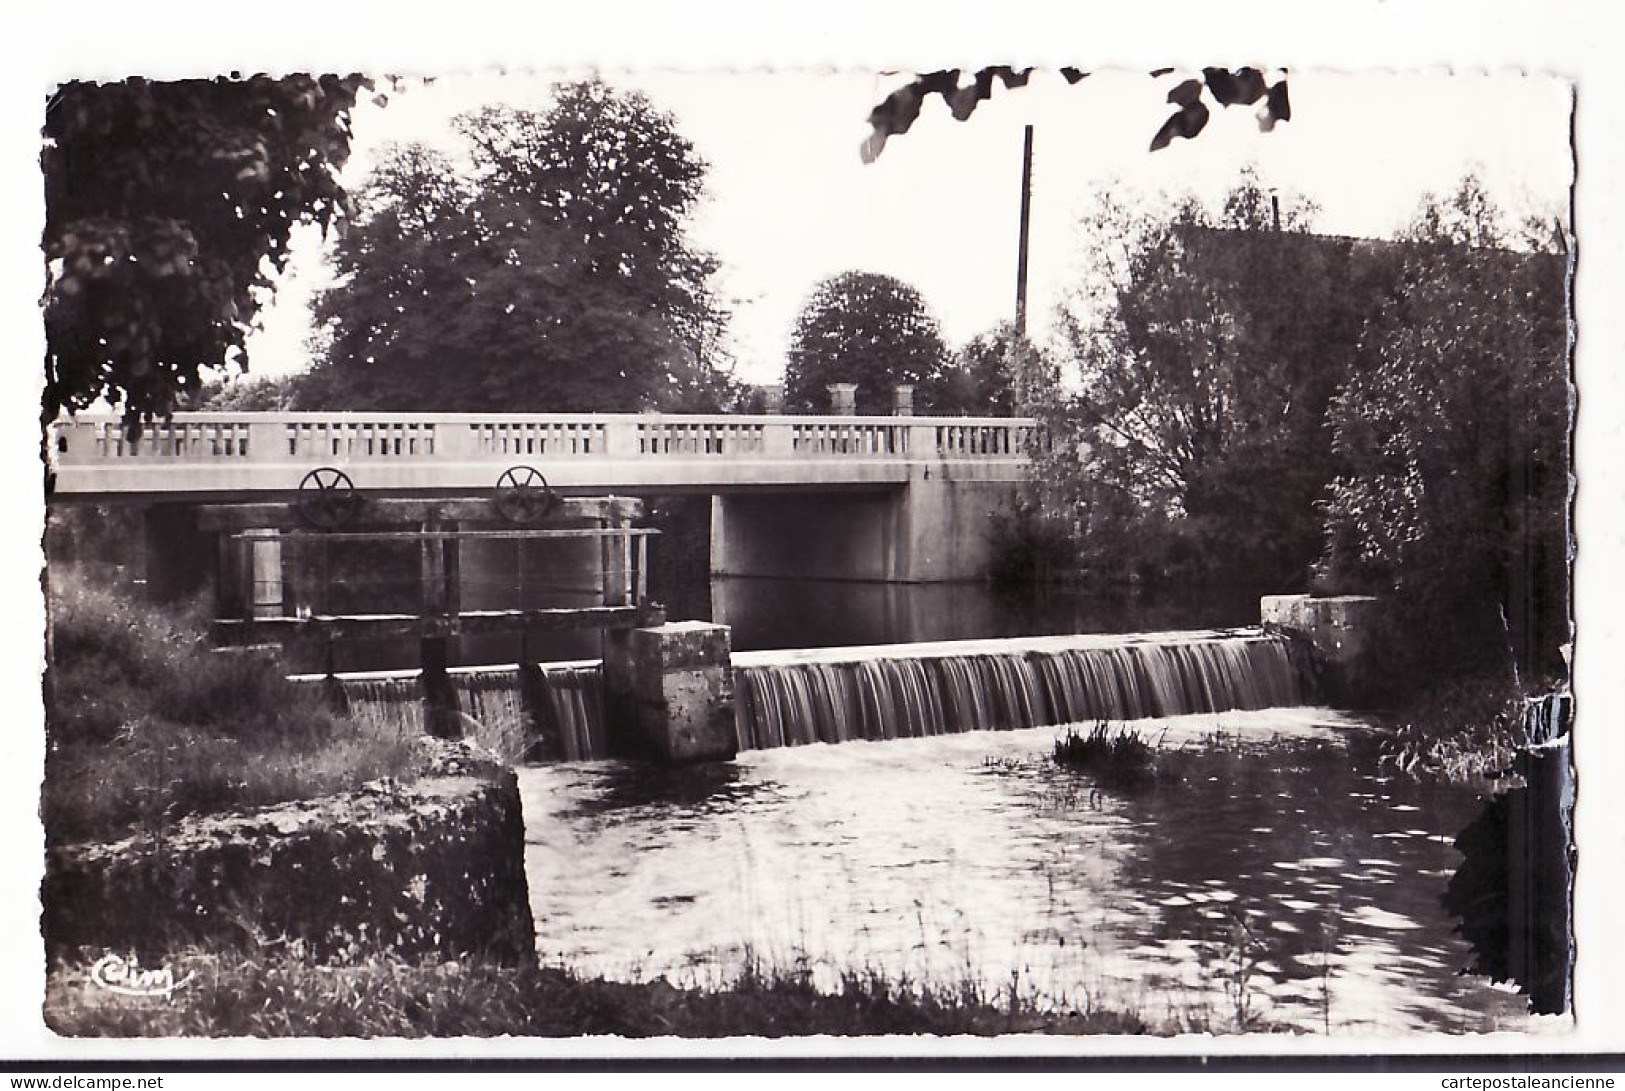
(146, 723)
(282, 994)
(1462, 729)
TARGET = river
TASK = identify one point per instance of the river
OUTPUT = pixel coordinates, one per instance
(1277, 883)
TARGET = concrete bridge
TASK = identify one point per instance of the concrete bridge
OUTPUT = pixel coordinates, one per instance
(899, 498)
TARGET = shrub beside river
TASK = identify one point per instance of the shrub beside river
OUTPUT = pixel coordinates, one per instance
(146, 723)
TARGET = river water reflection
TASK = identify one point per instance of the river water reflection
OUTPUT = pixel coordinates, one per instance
(779, 613)
(1273, 884)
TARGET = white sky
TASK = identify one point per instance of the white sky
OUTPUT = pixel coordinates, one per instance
(789, 201)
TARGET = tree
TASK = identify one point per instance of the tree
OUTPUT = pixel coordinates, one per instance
(552, 274)
(868, 329)
(168, 212)
(1453, 441)
(259, 394)
(994, 374)
(1208, 349)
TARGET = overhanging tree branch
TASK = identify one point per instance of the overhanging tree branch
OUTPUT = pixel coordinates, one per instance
(1245, 86)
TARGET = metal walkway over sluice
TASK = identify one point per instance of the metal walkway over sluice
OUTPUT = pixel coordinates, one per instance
(242, 454)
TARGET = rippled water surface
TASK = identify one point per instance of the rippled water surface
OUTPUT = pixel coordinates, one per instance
(1271, 884)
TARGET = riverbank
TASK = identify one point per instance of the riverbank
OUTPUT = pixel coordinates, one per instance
(1465, 730)
(278, 993)
(147, 723)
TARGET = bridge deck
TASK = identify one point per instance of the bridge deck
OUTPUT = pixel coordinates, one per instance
(233, 454)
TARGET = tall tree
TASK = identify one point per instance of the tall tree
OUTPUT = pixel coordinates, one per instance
(168, 212)
(995, 374)
(869, 329)
(552, 273)
(1209, 347)
(1453, 440)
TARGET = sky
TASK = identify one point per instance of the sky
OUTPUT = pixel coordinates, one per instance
(789, 201)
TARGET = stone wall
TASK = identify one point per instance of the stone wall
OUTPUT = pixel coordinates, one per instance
(433, 868)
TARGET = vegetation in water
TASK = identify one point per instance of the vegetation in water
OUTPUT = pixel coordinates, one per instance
(146, 723)
(1117, 757)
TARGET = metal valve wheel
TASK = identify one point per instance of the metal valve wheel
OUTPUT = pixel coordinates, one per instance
(523, 495)
(328, 498)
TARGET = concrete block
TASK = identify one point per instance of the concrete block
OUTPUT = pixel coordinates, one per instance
(669, 692)
(1342, 630)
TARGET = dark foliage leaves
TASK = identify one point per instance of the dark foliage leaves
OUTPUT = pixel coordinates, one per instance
(168, 212)
(1188, 122)
(897, 113)
(868, 329)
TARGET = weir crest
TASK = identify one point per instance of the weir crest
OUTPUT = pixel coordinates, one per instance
(554, 711)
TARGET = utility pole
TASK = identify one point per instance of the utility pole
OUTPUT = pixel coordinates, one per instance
(1021, 244)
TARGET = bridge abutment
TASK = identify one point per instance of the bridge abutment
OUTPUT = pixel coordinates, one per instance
(178, 556)
(934, 529)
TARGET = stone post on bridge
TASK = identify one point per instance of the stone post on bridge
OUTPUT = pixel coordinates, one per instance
(668, 692)
(843, 399)
(902, 400)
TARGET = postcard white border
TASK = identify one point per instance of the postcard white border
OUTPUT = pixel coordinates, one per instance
(1570, 38)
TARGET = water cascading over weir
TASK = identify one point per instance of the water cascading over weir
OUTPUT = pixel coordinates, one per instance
(549, 712)
(554, 711)
(910, 690)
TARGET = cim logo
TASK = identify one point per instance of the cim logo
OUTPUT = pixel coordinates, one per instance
(126, 977)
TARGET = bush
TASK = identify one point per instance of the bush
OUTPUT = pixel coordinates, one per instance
(1453, 444)
(1029, 545)
(116, 661)
(145, 722)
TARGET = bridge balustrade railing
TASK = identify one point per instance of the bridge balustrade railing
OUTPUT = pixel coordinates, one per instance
(708, 436)
(825, 437)
(345, 440)
(317, 438)
(538, 438)
(103, 439)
